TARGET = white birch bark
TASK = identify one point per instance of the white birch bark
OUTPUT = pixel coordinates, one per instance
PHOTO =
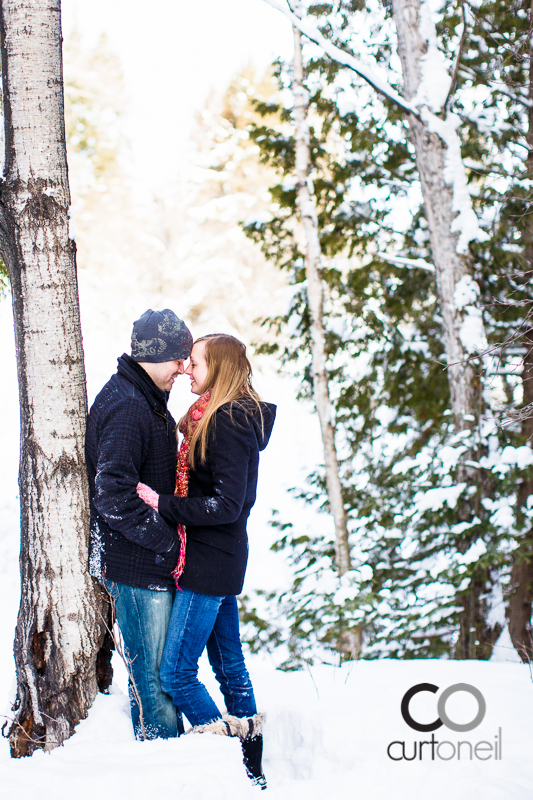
(59, 630)
(452, 223)
(315, 294)
(457, 306)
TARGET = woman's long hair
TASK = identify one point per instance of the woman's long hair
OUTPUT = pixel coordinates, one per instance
(229, 379)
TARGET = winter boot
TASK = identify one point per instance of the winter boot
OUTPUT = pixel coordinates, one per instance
(252, 750)
(248, 730)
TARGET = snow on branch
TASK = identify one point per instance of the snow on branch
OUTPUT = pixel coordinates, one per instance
(455, 70)
(432, 94)
(409, 263)
(435, 84)
(309, 29)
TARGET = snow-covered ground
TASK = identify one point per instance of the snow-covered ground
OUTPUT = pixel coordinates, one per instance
(328, 728)
(327, 735)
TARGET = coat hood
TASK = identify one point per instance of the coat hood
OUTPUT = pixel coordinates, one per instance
(262, 423)
(263, 431)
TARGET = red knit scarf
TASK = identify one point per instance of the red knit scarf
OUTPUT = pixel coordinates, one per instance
(187, 428)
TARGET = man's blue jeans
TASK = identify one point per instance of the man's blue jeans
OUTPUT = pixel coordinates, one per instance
(199, 620)
(143, 616)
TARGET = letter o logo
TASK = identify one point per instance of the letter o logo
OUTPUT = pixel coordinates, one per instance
(468, 726)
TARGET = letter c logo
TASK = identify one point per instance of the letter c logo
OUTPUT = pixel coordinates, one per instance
(406, 714)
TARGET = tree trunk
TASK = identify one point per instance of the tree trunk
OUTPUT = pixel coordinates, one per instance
(59, 630)
(521, 586)
(315, 294)
(450, 266)
(349, 641)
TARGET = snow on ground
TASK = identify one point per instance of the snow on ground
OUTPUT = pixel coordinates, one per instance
(328, 728)
(327, 735)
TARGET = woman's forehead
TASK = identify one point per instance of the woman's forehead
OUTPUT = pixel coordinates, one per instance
(198, 349)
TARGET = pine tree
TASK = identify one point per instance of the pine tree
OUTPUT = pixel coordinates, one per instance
(499, 66)
(434, 542)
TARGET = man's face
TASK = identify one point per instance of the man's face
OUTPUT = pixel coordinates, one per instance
(165, 373)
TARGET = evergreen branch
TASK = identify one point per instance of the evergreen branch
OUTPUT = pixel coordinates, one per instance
(525, 101)
(486, 169)
(312, 32)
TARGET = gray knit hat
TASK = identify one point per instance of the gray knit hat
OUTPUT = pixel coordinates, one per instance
(160, 336)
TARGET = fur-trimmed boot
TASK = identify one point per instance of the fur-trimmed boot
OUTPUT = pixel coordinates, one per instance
(249, 731)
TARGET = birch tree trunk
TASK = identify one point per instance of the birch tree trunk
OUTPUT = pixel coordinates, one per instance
(450, 265)
(350, 638)
(452, 269)
(59, 630)
(315, 294)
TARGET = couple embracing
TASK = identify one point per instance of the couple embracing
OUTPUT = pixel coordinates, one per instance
(168, 527)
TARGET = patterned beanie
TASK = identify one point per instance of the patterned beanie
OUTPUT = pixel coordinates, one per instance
(160, 336)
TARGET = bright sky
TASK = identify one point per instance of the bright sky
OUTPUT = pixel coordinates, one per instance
(173, 53)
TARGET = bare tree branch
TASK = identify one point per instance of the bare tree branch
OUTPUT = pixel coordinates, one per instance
(453, 81)
(119, 647)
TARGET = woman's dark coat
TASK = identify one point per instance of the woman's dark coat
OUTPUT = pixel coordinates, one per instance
(222, 492)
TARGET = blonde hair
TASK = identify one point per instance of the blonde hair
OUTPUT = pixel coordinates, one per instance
(229, 379)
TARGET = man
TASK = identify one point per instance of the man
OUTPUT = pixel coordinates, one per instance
(131, 438)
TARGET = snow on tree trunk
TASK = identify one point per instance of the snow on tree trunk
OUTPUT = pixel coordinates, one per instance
(59, 630)
(315, 294)
(457, 291)
(452, 224)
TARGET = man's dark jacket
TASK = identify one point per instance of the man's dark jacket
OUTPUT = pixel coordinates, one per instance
(131, 438)
(222, 492)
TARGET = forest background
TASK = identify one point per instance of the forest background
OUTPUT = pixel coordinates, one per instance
(186, 172)
(204, 219)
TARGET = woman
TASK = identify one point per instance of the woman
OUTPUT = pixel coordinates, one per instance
(216, 486)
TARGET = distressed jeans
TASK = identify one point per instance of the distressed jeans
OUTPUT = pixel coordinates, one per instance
(143, 616)
(200, 620)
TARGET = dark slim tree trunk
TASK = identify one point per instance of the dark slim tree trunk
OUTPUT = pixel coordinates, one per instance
(521, 586)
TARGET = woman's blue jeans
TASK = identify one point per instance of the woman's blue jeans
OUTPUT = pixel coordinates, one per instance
(200, 620)
(143, 616)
